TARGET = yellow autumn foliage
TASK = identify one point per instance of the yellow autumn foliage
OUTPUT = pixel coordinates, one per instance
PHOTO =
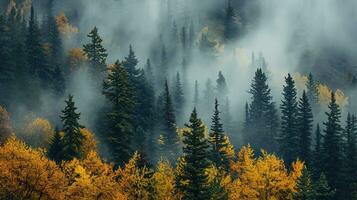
(38, 133)
(28, 174)
(89, 143)
(325, 95)
(5, 125)
(263, 178)
(164, 181)
(76, 58)
(64, 26)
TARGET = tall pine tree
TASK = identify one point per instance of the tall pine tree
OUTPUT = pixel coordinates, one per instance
(72, 138)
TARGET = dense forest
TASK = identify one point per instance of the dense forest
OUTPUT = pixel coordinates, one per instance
(178, 99)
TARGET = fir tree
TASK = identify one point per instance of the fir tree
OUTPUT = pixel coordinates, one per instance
(163, 70)
(305, 187)
(130, 63)
(318, 154)
(218, 141)
(289, 139)
(149, 73)
(323, 190)
(171, 140)
(332, 145)
(56, 147)
(196, 95)
(230, 24)
(312, 90)
(222, 89)
(95, 52)
(179, 98)
(262, 115)
(72, 138)
(119, 119)
(196, 161)
(305, 120)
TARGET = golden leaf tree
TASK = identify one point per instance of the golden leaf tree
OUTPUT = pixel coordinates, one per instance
(38, 133)
(5, 125)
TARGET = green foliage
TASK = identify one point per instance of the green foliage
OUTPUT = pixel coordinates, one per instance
(305, 187)
(323, 190)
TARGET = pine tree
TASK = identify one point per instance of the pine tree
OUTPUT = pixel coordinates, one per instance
(149, 73)
(163, 70)
(323, 190)
(350, 159)
(218, 141)
(120, 117)
(56, 147)
(305, 120)
(262, 115)
(305, 187)
(222, 89)
(289, 139)
(130, 63)
(171, 140)
(72, 138)
(95, 52)
(179, 98)
(332, 145)
(196, 95)
(312, 90)
(231, 29)
(318, 154)
(36, 57)
(196, 161)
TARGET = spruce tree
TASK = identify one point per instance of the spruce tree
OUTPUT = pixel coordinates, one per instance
(95, 52)
(305, 187)
(149, 73)
(170, 137)
(196, 161)
(162, 73)
(230, 25)
(305, 126)
(120, 117)
(322, 189)
(312, 90)
(179, 98)
(289, 139)
(262, 115)
(222, 89)
(332, 145)
(72, 138)
(56, 147)
(196, 95)
(318, 154)
(218, 141)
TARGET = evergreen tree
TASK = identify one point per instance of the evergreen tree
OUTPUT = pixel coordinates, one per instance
(312, 90)
(196, 161)
(179, 98)
(130, 63)
(191, 35)
(56, 147)
(227, 117)
(231, 29)
(218, 141)
(72, 138)
(170, 137)
(246, 117)
(208, 95)
(95, 52)
(222, 89)
(322, 189)
(207, 47)
(262, 126)
(305, 120)
(149, 73)
(196, 95)
(120, 117)
(163, 70)
(332, 145)
(36, 58)
(289, 139)
(318, 156)
(305, 187)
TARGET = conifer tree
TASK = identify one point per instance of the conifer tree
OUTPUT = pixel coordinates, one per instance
(36, 58)
(56, 147)
(196, 161)
(208, 96)
(149, 73)
(119, 119)
(72, 138)
(262, 115)
(191, 35)
(318, 154)
(95, 52)
(230, 24)
(163, 70)
(305, 187)
(130, 63)
(171, 140)
(305, 120)
(332, 145)
(179, 98)
(227, 117)
(312, 90)
(322, 189)
(289, 139)
(196, 95)
(222, 89)
(218, 140)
